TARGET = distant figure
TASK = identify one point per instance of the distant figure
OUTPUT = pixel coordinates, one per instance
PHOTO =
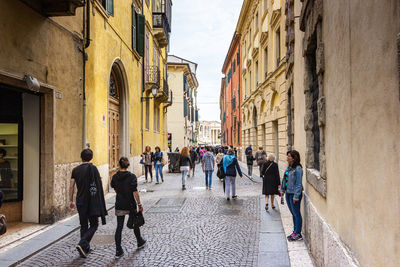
(148, 158)
(125, 185)
(177, 149)
(89, 200)
(261, 157)
(207, 165)
(184, 165)
(250, 160)
(193, 158)
(248, 149)
(158, 155)
(231, 167)
(271, 180)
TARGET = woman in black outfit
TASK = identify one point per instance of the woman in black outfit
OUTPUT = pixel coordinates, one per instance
(125, 185)
(271, 180)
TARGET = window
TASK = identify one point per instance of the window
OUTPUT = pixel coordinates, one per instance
(278, 47)
(147, 50)
(256, 70)
(250, 82)
(238, 58)
(155, 116)
(266, 62)
(147, 115)
(108, 6)
(233, 66)
(154, 55)
(140, 34)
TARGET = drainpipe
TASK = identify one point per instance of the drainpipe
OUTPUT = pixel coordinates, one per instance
(86, 22)
(141, 96)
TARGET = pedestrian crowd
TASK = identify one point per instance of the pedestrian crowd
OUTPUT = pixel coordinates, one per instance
(90, 202)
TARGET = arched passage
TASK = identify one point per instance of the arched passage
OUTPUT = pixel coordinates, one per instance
(118, 116)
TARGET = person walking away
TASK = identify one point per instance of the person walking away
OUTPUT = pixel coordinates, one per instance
(125, 185)
(90, 201)
(231, 167)
(218, 160)
(293, 188)
(250, 160)
(193, 158)
(248, 149)
(261, 157)
(207, 165)
(184, 165)
(158, 155)
(202, 151)
(148, 158)
(271, 180)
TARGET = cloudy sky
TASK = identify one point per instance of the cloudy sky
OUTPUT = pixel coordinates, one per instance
(202, 31)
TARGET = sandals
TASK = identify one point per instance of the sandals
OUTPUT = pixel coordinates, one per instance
(266, 207)
(273, 207)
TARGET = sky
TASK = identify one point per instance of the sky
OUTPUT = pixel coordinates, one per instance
(201, 32)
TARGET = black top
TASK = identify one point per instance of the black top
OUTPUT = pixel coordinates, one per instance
(80, 174)
(124, 184)
(184, 161)
(271, 179)
(193, 155)
(250, 159)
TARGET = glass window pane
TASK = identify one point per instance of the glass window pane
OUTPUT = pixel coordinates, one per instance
(9, 160)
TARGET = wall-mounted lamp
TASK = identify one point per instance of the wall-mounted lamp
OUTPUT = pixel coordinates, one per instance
(32, 83)
(154, 90)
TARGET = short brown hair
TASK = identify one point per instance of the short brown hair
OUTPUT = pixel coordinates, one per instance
(124, 162)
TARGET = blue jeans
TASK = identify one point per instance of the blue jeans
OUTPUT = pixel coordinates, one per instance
(295, 211)
(159, 168)
(230, 180)
(184, 175)
(208, 178)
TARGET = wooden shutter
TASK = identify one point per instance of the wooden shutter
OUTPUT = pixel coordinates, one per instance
(140, 31)
(185, 107)
(133, 27)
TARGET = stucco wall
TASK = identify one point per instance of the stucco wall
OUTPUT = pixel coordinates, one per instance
(362, 126)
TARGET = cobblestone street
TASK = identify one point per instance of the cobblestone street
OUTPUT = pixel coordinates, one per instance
(196, 227)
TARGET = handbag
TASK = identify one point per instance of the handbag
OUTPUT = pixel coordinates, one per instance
(163, 161)
(3, 224)
(220, 172)
(135, 219)
(142, 161)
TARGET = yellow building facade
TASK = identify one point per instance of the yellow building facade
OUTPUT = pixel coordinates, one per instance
(126, 88)
(262, 28)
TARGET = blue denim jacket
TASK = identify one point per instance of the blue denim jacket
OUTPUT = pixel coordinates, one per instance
(294, 183)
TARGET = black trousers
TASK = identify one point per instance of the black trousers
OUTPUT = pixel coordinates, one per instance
(87, 232)
(118, 232)
(148, 168)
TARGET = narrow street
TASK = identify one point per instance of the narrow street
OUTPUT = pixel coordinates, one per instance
(196, 227)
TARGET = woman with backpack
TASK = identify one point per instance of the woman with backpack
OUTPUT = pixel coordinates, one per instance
(184, 165)
(292, 185)
(125, 185)
(271, 180)
(231, 167)
(158, 164)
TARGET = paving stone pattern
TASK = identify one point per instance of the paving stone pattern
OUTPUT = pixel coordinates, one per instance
(196, 227)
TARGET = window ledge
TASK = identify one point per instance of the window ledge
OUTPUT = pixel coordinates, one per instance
(101, 9)
(314, 178)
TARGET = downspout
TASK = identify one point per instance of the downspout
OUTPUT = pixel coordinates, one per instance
(86, 22)
(141, 96)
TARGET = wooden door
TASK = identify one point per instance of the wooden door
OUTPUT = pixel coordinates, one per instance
(113, 124)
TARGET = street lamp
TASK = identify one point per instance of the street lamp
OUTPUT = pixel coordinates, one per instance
(154, 90)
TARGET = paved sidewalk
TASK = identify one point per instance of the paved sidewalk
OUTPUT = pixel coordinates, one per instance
(298, 252)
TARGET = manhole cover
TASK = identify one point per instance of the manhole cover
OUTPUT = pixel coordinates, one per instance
(229, 212)
(171, 202)
(164, 210)
(103, 240)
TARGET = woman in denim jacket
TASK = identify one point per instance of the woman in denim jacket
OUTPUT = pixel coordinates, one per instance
(293, 187)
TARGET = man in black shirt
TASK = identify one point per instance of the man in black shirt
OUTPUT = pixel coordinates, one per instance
(90, 201)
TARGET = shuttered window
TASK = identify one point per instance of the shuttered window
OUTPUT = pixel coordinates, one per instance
(185, 107)
(140, 32)
(133, 27)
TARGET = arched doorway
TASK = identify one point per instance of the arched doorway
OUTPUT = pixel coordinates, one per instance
(117, 118)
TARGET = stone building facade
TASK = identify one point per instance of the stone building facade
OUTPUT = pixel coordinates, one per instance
(343, 118)
(262, 28)
(231, 95)
(183, 114)
(209, 133)
(41, 105)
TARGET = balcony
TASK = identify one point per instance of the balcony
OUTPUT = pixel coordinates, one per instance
(162, 21)
(51, 8)
(162, 95)
(152, 77)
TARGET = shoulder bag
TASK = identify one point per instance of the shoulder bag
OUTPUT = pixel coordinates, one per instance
(135, 219)
(3, 224)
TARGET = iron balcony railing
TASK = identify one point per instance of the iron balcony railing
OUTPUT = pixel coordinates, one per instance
(153, 75)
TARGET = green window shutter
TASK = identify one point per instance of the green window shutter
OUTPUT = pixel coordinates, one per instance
(133, 27)
(140, 31)
(110, 7)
